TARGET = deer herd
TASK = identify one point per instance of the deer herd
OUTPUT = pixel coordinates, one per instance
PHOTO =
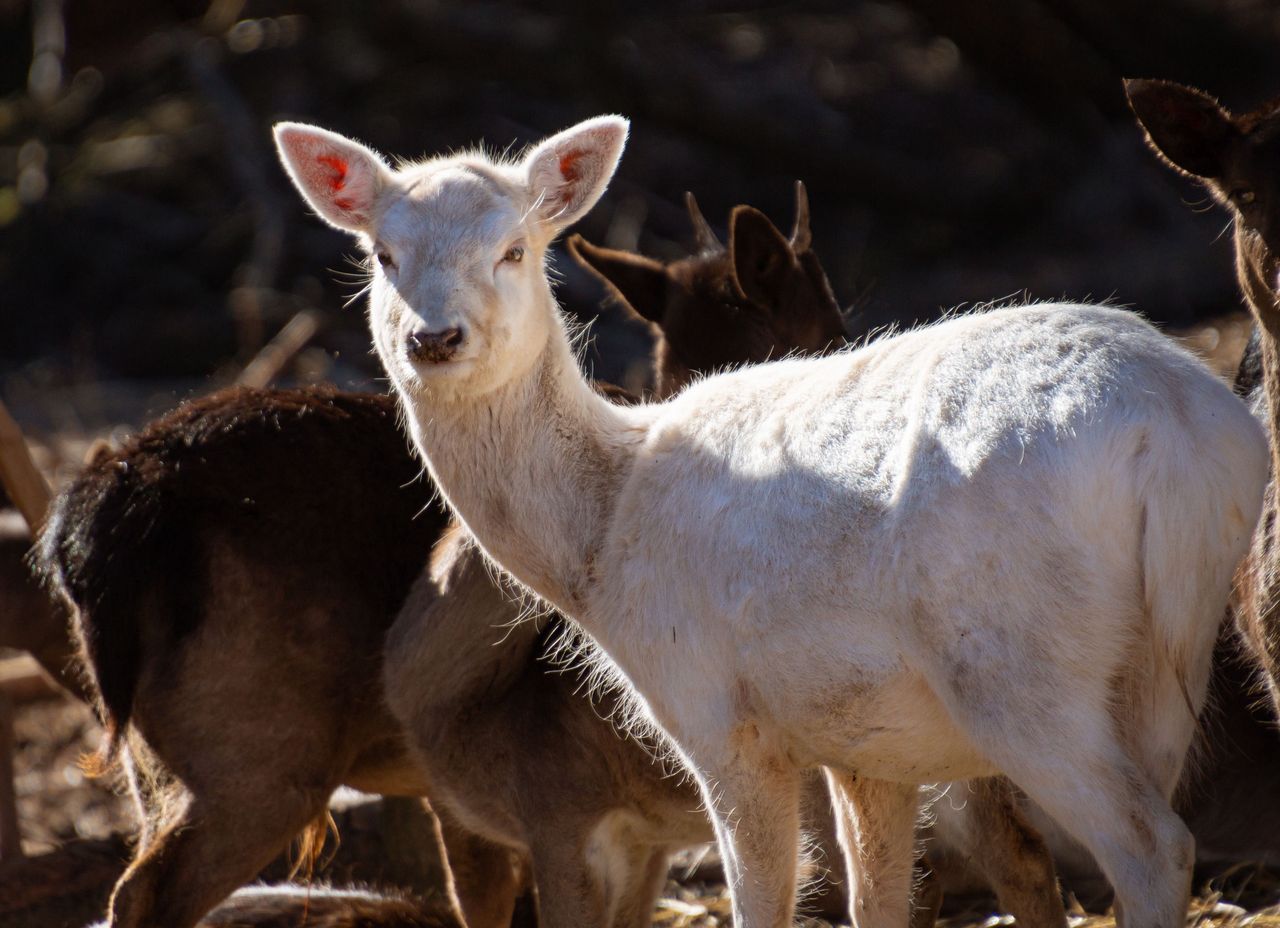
(1025, 558)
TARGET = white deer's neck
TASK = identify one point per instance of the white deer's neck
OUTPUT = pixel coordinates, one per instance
(533, 468)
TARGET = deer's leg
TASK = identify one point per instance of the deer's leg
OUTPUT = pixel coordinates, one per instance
(487, 877)
(753, 795)
(926, 902)
(601, 870)
(568, 892)
(1099, 793)
(996, 838)
(1138, 840)
(208, 848)
(826, 894)
(646, 875)
(877, 822)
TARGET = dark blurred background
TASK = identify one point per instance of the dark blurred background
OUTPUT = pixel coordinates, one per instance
(955, 151)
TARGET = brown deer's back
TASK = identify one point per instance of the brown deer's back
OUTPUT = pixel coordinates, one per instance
(313, 487)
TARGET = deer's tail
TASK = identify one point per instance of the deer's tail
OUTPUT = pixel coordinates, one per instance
(108, 548)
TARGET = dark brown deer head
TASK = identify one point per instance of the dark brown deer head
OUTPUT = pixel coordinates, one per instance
(1237, 158)
(761, 297)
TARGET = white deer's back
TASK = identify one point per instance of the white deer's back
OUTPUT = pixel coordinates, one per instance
(914, 498)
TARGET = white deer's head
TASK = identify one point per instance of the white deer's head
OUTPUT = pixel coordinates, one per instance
(459, 302)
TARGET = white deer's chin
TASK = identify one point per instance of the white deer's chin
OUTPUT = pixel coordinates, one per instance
(431, 376)
(458, 382)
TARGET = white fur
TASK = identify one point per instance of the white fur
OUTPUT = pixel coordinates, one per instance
(1002, 543)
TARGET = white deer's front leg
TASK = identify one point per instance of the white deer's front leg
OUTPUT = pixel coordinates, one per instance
(754, 801)
(877, 822)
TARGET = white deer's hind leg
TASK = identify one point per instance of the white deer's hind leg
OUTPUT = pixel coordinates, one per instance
(1140, 843)
(877, 822)
(1071, 762)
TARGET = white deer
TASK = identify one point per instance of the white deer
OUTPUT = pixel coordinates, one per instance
(999, 544)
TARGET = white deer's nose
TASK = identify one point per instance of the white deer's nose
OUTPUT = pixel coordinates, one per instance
(434, 347)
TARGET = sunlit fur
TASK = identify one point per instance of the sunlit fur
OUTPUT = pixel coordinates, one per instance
(947, 554)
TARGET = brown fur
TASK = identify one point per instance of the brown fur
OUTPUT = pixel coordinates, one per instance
(1237, 159)
(515, 753)
(761, 297)
(270, 476)
(233, 569)
(320, 907)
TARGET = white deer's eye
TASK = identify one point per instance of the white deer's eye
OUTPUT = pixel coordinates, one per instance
(514, 255)
(385, 259)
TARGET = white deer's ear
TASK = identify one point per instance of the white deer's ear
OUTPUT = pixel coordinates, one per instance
(568, 172)
(340, 178)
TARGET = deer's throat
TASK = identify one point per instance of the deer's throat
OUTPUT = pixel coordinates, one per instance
(533, 470)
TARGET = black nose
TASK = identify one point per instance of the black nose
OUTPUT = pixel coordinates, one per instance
(434, 347)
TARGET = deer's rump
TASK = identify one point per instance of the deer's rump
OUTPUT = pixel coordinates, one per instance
(304, 482)
(954, 494)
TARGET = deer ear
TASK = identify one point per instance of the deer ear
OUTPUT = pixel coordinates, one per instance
(640, 283)
(760, 256)
(339, 178)
(568, 172)
(1185, 127)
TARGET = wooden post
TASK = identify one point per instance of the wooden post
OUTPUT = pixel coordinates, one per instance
(271, 360)
(10, 835)
(27, 488)
(22, 480)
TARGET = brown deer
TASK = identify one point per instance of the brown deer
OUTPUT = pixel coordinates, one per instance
(1236, 158)
(715, 309)
(230, 617)
(323, 907)
(233, 570)
(292, 906)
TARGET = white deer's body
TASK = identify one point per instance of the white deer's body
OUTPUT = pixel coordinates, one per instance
(998, 544)
(921, 509)
(850, 548)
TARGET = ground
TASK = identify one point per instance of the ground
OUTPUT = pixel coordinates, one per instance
(58, 803)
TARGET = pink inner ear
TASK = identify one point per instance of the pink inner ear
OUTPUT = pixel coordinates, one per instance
(569, 165)
(338, 176)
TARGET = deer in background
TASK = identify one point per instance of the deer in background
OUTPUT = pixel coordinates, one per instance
(1237, 159)
(232, 587)
(290, 906)
(230, 618)
(942, 556)
(719, 307)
